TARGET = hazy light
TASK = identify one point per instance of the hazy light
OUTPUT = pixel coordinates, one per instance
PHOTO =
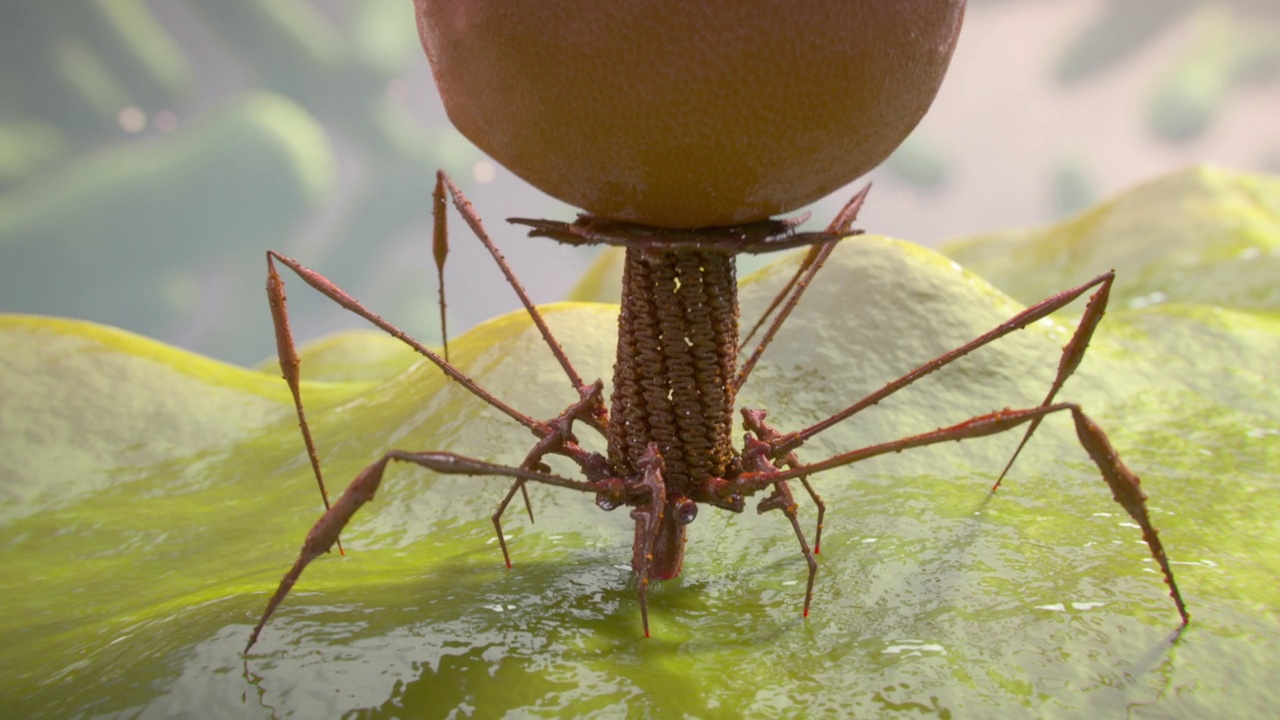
(165, 121)
(397, 89)
(484, 171)
(131, 119)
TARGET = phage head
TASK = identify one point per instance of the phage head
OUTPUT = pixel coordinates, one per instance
(688, 113)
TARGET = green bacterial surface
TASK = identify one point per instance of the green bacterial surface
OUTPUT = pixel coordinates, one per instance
(151, 499)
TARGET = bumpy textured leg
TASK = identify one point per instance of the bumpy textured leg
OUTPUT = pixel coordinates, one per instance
(1126, 487)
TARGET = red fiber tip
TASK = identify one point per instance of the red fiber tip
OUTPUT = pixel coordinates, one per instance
(816, 549)
(806, 612)
(646, 633)
(508, 565)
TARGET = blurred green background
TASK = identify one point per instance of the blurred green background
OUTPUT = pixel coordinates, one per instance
(151, 151)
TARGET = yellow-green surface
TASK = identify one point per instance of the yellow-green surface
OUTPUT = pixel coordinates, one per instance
(151, 499)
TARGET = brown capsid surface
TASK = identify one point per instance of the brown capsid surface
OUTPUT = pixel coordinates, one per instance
(683, 113)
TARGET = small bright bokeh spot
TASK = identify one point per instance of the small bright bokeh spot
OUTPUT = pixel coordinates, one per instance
(132, 119)
(165, 121)
(484, 171)
(398, 89)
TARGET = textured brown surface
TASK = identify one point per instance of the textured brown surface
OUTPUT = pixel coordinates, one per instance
(677, 339)
(688, 114)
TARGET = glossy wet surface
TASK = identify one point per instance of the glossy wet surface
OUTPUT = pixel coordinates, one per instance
(151, 501)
